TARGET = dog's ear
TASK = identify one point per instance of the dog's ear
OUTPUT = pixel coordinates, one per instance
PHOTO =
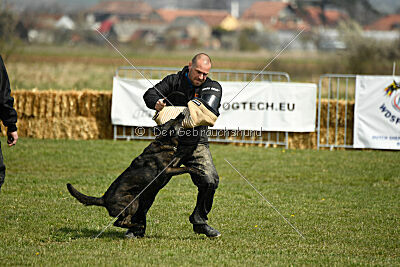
(180, 117)
(177, 98)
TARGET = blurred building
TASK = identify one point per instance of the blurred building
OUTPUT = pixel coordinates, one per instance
(315, 17)
(384, 29)
(387, 23)
(50, 28)
(273, 15)
(213, 18)
(123, 10)
(264, 24)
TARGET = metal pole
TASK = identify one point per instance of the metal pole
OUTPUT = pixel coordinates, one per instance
(345, 112)
(337, 110)
(328, 111)
(319, 112)
(394, 68)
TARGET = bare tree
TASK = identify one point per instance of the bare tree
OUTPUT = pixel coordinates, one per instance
(9, 41)
(359, 10)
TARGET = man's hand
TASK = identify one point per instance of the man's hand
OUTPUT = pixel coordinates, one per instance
(12, 138)
(160, 104)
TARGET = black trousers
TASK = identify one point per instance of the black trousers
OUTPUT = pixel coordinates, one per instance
(206, 183)
(2, 169)
(198, 157)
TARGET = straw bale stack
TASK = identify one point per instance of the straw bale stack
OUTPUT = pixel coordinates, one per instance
(87, 115)
(337, 110)
(63, 114)
(338, 122)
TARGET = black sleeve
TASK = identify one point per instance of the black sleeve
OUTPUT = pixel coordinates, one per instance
(217, 90)
(214, 89)
(160, 90)
(7, 113)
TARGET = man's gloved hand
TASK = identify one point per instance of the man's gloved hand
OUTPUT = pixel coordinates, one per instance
(161, 103)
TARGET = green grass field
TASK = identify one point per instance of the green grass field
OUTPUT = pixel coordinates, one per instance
(346, 203)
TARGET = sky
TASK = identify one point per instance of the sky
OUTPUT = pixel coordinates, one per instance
(388, 6)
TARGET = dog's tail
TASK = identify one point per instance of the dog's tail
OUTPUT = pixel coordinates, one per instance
(84, 199)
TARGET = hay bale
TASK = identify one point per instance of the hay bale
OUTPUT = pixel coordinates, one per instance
(61, 128)
(337, 111)
(28, 105)
(303, 140)
(83, 105)
(42, 107)
(64, 106)
(58, 114)
(87, 115)
(73, 99)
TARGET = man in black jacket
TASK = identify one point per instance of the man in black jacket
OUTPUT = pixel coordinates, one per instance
(7, 114)
(203, 95)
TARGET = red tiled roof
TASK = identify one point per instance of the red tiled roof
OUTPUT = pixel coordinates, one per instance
(122, 7)
(106, 26)
(386, 24)
(313, 16)
(264, 11)
(211, 17)
(291, 25)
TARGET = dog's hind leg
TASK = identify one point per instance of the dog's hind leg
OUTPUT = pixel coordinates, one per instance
(127, 212)
(138, 221)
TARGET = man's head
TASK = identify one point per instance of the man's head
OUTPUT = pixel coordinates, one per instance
(199, 68)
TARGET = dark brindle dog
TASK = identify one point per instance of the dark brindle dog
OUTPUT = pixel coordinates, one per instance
(142, 171)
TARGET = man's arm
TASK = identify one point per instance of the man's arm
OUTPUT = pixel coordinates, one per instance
(211, 96)
(155, 95)
(203, 111)
(7, 112)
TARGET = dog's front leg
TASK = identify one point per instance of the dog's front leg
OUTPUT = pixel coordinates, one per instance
(181, 170)
(176, 170)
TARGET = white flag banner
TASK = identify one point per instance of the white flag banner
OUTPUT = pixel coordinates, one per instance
(266, 106)
(377, 112)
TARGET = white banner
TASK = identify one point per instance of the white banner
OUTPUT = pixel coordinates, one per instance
(128, 107)
(272, 106)
(376, 113)
(266, 106)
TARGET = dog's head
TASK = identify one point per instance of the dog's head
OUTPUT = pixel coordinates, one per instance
(167, 133)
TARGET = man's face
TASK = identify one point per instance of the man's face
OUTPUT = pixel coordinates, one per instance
(198, 72)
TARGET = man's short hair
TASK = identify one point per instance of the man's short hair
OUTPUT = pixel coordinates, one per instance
(197, 56)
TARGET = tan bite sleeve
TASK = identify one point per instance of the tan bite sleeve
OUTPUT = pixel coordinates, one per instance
(198, 115)
(167, 113)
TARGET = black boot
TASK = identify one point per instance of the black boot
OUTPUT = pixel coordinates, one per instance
(206, 229)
